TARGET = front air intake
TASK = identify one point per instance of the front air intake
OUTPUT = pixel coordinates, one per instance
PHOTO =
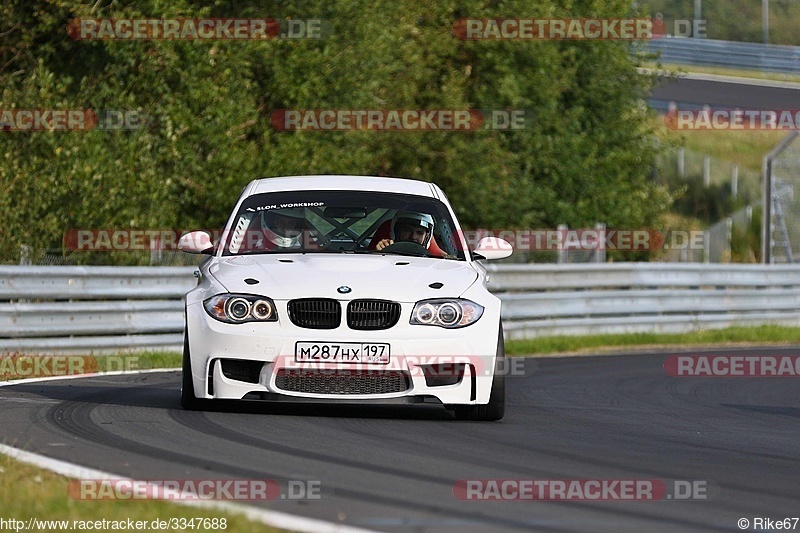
(372, 314)
(341, 381)
(315, 313)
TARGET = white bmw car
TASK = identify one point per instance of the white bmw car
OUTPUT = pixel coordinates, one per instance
(344, 289)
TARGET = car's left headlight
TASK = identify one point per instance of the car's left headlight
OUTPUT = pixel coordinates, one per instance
(241, 308)
(446, 313)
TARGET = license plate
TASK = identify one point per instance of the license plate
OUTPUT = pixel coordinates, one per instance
(342, 352)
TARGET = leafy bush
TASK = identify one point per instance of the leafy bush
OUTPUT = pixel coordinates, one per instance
(586, 158)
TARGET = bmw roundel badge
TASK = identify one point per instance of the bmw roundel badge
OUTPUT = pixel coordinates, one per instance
(344, 289)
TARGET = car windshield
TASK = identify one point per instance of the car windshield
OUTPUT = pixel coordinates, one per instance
(343, 222)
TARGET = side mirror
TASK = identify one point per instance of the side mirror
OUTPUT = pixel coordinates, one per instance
(492, 248)
(196, 242)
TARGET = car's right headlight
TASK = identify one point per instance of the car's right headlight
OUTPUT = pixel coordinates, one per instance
(446, 313)
(241, 308)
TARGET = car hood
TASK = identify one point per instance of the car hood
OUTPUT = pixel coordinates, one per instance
(387, 277)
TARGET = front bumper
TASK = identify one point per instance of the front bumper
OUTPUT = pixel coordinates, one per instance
(463, 359)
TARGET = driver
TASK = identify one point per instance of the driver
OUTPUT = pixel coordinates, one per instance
(409, 227)
(282, 228)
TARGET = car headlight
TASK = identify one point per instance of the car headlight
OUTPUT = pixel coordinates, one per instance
(241, 308)
(451, 313)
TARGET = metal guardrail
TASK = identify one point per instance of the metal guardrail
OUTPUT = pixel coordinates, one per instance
(102, 309)
(642, 297)
(731, 54)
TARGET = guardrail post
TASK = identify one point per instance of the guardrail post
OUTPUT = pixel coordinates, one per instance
(728, 239)
(600, 252)
(561, 256)
(155, 252)
(25, 255)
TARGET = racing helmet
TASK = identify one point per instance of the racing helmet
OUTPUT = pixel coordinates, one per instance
(413, 220)
(283, 227)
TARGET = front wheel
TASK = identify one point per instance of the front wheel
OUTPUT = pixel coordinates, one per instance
(189, 401)
(496, 408)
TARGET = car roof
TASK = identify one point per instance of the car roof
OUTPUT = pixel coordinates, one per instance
(332, 183)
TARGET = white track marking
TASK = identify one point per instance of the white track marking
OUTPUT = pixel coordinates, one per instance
(271, 518)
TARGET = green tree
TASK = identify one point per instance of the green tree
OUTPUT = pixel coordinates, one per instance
(586, 157)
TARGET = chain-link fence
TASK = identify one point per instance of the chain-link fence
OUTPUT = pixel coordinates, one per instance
(781, 204)
(730, 239)
(683, 164)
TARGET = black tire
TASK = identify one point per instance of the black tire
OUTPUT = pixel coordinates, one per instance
(496, 408)
(189, 401)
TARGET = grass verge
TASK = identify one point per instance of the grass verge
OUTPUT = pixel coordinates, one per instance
(147, 360)
(745, 148)
(15, 366)
(586, 344)
(29, 492)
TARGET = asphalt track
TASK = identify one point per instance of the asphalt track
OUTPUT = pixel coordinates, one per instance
(393, 469)
(695, 93)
